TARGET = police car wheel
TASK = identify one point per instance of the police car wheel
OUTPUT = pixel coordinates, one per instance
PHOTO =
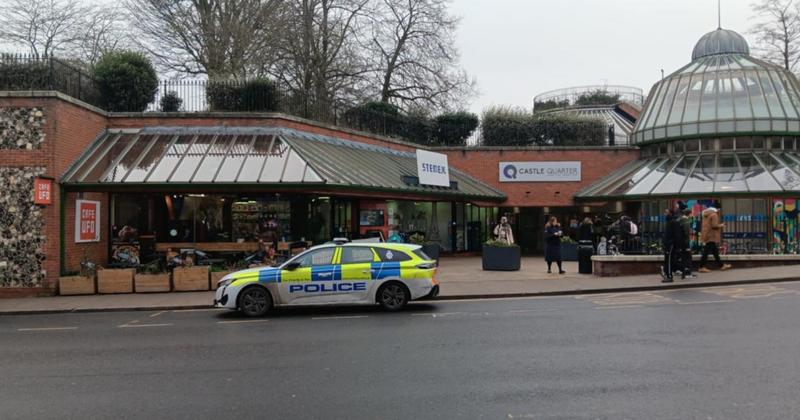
(393, 296)
(255, 301)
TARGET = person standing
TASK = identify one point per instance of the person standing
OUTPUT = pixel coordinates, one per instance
(685, 247)
(552, 237)
(711, 236)
(586, 230)
(503, 232)
(672, 233)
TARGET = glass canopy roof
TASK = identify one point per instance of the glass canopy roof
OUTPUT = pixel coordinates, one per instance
(701, 174)
(722, 91)
(254, 156)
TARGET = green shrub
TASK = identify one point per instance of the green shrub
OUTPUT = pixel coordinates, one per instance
(567, 130)
(257, 95)
(597, 97)
(23, 75)
(507, 126)
(549, 104)
(499, 243)
(504, 126)
(377, 117)
(127, 80)
(454, 129)
(416, 128)
(171, 102)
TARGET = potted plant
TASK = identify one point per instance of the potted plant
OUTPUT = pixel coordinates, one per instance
(500, 256)
(569, 249)
(190, 278)
(430, 248)
(150, 278)
(115, 280)
(81, 282)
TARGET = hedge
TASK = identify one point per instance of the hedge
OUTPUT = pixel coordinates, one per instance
(506, 126)
(453, 129)
(127, 80)
(257, 95)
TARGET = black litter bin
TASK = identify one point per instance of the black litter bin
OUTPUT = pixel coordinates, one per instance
(585, 251)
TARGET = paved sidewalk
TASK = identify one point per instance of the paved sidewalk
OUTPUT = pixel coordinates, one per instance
(460, 278)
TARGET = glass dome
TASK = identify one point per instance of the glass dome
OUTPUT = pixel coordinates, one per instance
(720, 173)
(722, 92)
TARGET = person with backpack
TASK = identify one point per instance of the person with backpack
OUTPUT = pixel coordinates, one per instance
(628, 231)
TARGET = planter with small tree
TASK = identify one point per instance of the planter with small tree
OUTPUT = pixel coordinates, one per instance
(569, 249)
(79, 283)
(500, 256)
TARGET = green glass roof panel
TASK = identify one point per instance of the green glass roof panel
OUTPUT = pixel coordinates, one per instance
(757, 176)
(701, 179)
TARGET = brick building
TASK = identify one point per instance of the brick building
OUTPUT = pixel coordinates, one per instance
(352, 183)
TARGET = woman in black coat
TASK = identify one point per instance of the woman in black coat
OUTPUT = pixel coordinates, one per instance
(552, 239)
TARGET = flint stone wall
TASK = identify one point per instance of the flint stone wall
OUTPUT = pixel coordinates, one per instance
(21, 128)
(21, 229)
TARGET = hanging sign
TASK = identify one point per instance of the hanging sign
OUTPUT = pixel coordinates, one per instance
(432, 168)
(87, 221)
(540, 171)
(43, 191)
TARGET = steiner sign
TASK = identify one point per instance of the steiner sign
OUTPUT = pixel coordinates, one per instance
(432, 168)
(87, 221)
(540, 171)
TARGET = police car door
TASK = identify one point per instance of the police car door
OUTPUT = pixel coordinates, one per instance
(312, 280)
(356, 263)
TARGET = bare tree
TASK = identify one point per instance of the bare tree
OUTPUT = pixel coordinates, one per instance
(319, 56)
(419, 62)
(104, 30)
(219, 38)
(778, 31)
(44, 27)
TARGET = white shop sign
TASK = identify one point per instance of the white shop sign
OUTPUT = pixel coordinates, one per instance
(540, 171)
(432, 168)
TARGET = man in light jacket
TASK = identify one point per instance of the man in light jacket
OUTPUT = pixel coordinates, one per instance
(711, 235)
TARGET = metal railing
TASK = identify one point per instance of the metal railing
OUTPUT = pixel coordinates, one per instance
(29, 72)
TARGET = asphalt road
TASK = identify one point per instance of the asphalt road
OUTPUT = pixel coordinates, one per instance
(716, 353)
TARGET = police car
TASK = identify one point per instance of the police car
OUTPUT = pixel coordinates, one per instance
(387, 274)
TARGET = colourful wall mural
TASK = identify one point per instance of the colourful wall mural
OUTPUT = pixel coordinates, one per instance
(785, 218)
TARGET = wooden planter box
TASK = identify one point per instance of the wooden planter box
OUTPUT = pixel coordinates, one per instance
(76, 285)
(151, 283)
(115, 280)
(216, 276)
(501, 258)
(185, 279)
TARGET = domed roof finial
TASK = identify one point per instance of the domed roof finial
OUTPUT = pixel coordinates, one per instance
(719, 14)
(720, 41)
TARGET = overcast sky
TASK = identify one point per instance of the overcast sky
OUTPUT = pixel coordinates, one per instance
(519, 48)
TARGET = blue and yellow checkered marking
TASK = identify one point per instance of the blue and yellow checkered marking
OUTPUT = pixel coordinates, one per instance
(375, 270)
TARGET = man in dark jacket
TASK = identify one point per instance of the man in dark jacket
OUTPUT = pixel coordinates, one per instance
(673, 234)
(684, 251)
